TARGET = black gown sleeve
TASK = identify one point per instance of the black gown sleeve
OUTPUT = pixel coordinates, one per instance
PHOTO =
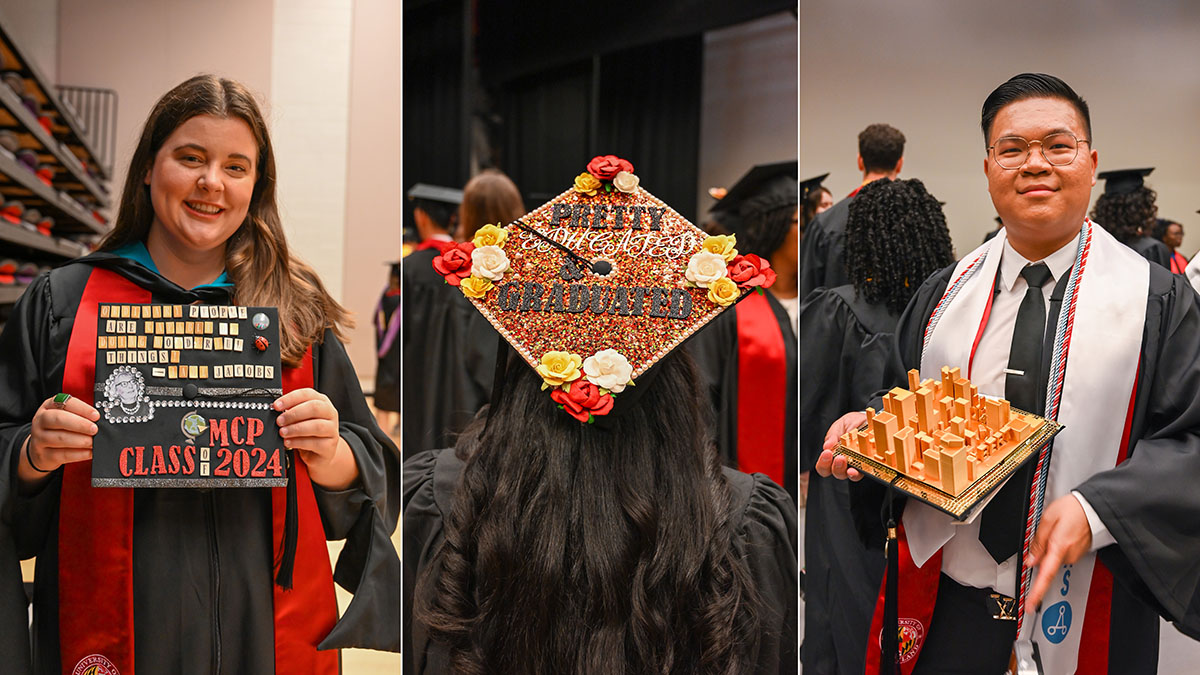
(364, 515)
(844, 365)
(767, 540)
(1149, 503)
(448, 357)
(423, 535)
(813, 253)
(714, 348)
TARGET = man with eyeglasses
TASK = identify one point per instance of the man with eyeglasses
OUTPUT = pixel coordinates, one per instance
(1061, 319)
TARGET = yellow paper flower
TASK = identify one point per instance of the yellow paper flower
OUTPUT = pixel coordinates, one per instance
(490, 235)
(587, 184)
(475, 287)
(722, 245)
(723, 291)
(558, 368)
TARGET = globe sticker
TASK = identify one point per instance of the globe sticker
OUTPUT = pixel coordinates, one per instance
(192, 425)
(260, 321)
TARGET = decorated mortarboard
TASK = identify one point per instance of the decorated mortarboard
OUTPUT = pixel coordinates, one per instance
(435, 193)
(810, 184)
(763, 189)
(595, 286)
(1123, 181)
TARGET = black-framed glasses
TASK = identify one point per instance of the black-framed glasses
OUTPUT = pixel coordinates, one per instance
(1059, 148)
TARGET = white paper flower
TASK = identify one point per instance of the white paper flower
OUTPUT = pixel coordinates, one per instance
(705, 267)
(489, 262)
(625, 181)
(608, 369)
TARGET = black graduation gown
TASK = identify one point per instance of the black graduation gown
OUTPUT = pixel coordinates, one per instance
(762, 515)
(715, 351)
(822, 251)
(202, 559)
(845, 344)
(1149, 503)
(449, 357)
(1153, 250)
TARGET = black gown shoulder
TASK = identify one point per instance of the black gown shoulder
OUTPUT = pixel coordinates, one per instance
(765, 524)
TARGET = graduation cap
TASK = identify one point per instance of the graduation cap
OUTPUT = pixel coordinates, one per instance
(811, 184)
(435, 193)
(1123, 181)
(763, 189)
(440, 203)
(596, 285)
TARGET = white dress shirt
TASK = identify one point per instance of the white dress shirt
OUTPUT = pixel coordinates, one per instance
(964, 558)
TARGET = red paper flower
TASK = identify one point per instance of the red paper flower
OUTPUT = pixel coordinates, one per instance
(605, 167)
(583, 401)
(750, 270)
(454, 264)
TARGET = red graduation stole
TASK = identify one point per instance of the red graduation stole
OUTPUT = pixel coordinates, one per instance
(95, 534)
(762, 389)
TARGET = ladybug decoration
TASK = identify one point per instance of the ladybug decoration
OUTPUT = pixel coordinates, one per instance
(261, 343)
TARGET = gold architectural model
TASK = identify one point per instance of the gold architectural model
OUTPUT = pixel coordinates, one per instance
(943, 442)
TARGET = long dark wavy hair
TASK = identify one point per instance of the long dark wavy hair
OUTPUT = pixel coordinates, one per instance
(896, 236)
(577, 548)
(1124, 214)
(257, 258)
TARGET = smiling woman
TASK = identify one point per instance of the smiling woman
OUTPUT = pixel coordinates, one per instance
(198, 224)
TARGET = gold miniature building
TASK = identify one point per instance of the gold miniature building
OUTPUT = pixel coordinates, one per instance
(942, 433)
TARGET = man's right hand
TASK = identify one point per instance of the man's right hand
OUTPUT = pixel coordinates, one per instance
(838, 467)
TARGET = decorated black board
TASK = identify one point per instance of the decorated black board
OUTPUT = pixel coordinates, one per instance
(184, 394)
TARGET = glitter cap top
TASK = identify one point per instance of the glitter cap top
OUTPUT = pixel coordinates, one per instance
(595, 286)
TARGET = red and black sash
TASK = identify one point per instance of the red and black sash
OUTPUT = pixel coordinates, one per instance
(762, 389)
(95, 537)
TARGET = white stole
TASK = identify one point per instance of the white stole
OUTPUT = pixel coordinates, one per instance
(1102, 361)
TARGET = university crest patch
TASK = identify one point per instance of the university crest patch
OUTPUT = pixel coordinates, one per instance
(95, 664)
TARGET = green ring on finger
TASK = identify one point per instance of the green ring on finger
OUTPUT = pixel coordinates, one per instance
(60, 400)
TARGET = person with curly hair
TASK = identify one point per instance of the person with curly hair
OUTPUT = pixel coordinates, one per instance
(822, 251)
(896, 237)
(1127, 209)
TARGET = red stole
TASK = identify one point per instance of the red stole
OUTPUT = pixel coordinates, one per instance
(95, 537)
(916, 596)
(762, 389)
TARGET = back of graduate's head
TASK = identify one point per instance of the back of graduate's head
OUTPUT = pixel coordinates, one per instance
(622, 528)
(489, 198)
(257, 257)
(441, 216)
(1032, 85)
(896, 236)
(880, 148)
(1127, 214)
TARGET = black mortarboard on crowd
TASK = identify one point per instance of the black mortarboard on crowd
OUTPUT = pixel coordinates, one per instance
(439, 202)
(763, 189)
(810, 185)
(1123, 181)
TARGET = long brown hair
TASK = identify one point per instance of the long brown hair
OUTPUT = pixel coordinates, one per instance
(257, 259)
(491, 198)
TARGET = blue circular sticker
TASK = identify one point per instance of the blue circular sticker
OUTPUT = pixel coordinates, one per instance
(1056, 622)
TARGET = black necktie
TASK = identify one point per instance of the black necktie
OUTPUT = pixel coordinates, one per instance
(1003, 520)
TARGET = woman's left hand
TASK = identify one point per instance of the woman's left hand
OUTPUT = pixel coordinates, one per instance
(308, 423)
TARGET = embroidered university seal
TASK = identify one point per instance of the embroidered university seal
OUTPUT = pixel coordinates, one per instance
(95, 664)
(908, 642)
